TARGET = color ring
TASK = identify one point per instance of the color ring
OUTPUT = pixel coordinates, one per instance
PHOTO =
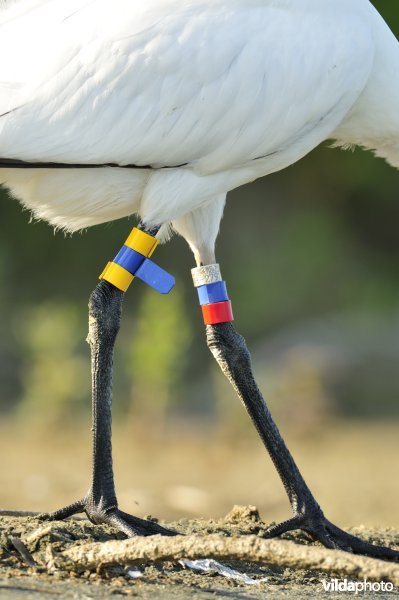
(129, 259)
(212, 292)
(220, 312)
(206, 275)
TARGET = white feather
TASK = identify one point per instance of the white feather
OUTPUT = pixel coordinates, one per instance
(231, 89)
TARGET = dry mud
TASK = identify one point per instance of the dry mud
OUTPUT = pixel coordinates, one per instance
(75, 559)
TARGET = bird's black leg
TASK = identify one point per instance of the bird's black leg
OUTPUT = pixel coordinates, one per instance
(100, 503)
(230, 350)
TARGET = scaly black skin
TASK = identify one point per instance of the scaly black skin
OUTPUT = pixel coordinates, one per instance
(100, 503)
(231, 353)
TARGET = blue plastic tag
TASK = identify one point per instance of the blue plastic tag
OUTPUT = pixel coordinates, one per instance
(154, 276)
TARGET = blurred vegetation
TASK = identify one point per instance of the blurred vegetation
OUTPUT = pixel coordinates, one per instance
(315, 293)
(157, 357)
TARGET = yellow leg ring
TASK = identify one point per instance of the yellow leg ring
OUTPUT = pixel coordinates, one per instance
(142, 242)
(118, 276)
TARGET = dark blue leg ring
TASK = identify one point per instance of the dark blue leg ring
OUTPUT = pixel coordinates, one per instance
(212, 292)
(129, 259)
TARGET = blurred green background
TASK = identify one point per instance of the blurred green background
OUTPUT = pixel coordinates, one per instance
(311, 258)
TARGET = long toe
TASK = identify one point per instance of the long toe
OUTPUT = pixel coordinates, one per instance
(352, 543)
(333, 537)
(143, 526)
(128, 524)
(63, 513)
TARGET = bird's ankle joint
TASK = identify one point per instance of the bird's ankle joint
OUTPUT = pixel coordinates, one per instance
(230, 354)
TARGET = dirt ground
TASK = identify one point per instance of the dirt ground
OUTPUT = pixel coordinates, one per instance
(351, 468)
(33, 570)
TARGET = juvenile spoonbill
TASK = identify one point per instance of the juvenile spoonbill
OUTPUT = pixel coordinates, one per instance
(159, 108)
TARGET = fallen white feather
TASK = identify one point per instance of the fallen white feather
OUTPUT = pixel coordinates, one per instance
(134, 574)
(208, 565)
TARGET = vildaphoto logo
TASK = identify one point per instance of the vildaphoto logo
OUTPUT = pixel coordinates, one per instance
(356, 587)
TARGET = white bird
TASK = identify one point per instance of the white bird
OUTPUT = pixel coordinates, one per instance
(160, 108)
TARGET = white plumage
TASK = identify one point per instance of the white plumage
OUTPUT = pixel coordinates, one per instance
(230, 89)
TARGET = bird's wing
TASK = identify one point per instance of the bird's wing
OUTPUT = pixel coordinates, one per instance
(27, 39)
(163, 82)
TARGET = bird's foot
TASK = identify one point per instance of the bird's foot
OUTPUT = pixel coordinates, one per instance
(98, 514)
(319, 528)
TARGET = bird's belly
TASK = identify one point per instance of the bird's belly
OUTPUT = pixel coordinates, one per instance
(73, 199)
(76, 198)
